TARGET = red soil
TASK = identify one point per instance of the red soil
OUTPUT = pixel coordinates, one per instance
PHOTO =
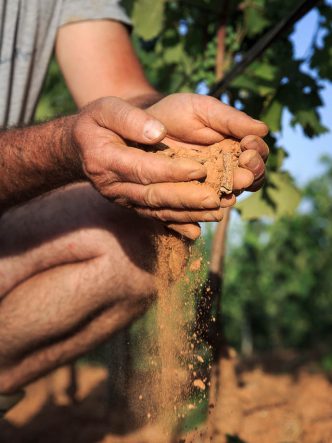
(277, 408)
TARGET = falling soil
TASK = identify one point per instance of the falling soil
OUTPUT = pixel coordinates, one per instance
(175, 344)
(172, 342)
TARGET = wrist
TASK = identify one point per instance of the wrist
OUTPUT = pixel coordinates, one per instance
(70, 149)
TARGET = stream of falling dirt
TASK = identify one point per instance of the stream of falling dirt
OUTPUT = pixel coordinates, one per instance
(179, 355)
(172, 341)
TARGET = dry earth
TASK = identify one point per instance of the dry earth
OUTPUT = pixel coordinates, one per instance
(278, 407)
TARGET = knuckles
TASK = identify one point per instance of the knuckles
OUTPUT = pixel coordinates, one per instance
(123, 116)
(113, 192)
(94, 168)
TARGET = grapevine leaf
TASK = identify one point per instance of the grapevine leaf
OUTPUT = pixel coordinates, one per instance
(174, 54)
(272, 116)
(281, 198)
(148, 18)
(255, 21)
(322, 58)
(310, 122)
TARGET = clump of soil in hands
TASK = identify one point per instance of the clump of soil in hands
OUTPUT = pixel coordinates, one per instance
(174, 377)
(220, 159)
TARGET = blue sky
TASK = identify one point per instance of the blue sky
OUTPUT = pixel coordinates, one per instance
(303, 161)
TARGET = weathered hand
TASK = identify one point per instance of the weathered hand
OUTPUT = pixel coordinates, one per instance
(193, 119)
(201, 120)
(155, 186)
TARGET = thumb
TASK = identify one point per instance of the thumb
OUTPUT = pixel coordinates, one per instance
(127, 121)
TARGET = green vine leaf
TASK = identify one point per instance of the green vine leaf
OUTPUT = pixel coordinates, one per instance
(255, 21)
(272, 116)
(148, 18)
(281, 198)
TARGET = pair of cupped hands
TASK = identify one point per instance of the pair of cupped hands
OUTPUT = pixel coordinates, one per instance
(106, 132)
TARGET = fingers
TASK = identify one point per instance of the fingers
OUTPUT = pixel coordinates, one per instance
(137, 166)
(243, 178)
(127, 121)
(252, 142)
(252, 161)
(251, 171)
(227, 200)
(228, 120)
(181, 216)
(189, 230)
(204, 120)
(133, 165)
(164, 195)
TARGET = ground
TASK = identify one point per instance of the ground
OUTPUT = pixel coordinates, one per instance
(291, 404)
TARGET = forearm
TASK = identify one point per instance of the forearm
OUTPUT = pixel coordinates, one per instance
(60, 352)
(109, 57)
(35, 160)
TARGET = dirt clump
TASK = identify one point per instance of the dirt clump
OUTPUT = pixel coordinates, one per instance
(219, 159)
(198, 383)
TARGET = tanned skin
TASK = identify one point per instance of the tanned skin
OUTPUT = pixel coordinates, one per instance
(67, 254)
(95, 145)
(36, 160)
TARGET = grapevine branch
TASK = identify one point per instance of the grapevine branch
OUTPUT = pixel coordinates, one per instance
(264, 43)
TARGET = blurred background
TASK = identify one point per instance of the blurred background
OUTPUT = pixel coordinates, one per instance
(277, 288)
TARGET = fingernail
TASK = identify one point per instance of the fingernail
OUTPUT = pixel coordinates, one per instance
(210, 202)
(153, 129)
(263, 130)
(258, 121)
(253, 163)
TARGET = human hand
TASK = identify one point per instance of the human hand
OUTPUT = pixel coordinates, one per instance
(193, 119)
(153, 185)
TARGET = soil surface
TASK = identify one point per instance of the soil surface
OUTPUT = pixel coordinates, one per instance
(282, 402)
